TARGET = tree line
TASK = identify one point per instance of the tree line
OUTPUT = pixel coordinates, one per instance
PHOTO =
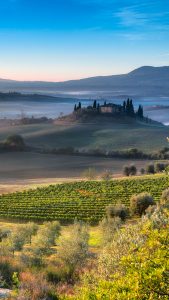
(127, 108)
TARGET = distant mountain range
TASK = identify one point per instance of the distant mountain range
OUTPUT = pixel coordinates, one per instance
(145, 81)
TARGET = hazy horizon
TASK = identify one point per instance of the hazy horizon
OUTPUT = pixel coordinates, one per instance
(81, 78)
(65, 40)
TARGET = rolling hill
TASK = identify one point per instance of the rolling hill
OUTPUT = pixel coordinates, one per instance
(144, 81)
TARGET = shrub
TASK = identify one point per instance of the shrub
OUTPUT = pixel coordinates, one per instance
(133, 170)
(109, 227)
(126, 171)
(130, 170)
(139, 203)
(7, 269)
(106, 175)
(35, 286)
(159, 167)
(165, 196)
(56, 275)
(142, 171)
(15, 142)
(150, 169)
(73, 249)
(118, 210)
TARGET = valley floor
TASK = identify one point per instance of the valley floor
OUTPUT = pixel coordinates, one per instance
(22, 170)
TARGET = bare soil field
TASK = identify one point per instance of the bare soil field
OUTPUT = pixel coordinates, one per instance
(19, 171)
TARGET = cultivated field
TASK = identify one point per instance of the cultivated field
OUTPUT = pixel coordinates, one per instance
(19, 171)
(79, 200)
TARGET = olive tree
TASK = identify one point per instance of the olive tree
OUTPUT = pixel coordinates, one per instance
(73, 249)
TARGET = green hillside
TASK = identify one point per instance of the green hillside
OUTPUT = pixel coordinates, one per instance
(115, 135)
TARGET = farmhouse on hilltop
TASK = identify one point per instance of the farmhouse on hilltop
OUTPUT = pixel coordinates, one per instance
(127, 108)
(110, 108)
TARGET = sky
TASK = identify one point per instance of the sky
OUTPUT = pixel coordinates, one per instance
(57, 40)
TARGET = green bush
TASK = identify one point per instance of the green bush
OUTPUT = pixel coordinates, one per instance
(133, 170)
(7, 269)
(118, 210)
(142, 171)
(139, 203)
(15, 142)
(56, 275)
(130, 170)
(126, 171)
(150, 169)
(165, 196)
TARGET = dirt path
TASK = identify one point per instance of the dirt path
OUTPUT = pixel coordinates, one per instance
(10, 186)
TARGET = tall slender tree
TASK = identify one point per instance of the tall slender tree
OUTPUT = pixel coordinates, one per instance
(131, 112)
(94, 104)
(128, 107)
(140, 112)
(124, 106)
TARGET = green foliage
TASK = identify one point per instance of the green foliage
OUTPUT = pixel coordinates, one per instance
(165, 196)
(41, 244)
(159, 167)
(118, 210)
(133, 170)
(82, 200)
(15, 142)
(7, 269)
(140, 202)
(73, 249)
(15, 280)
(109, 227)
(130, 170)
(142, 171)
(134, 265)
(150, 169)
(126, 170)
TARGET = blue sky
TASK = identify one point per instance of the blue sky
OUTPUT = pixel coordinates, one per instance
(57, 40)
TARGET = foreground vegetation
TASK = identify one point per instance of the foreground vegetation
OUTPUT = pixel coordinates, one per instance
(81, 200)
(129, 260)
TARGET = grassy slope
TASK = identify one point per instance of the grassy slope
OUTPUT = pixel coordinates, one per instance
(110, 136)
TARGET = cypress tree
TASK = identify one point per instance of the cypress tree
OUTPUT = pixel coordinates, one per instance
(128, 107)
(131, 112)
(140, 112)
(94, 104)
(75, 107)
(80, 105)
(124, 106)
